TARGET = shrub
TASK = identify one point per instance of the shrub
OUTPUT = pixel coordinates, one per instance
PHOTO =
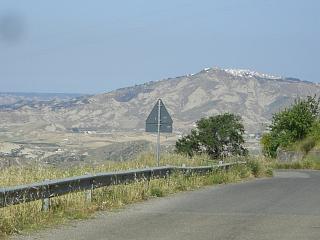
(217, 136)
(291, 125)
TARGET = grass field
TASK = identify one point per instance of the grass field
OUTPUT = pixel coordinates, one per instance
(28, 216)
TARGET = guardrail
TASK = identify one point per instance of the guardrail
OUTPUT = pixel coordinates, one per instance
(52, 188)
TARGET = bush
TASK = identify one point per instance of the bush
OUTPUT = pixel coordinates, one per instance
(217, 136)
(291, 125)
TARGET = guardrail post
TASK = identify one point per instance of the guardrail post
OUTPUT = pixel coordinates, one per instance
(46, 204)
(167, 177)
(88, 194)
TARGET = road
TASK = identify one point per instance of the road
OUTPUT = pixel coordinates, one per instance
(284, 207)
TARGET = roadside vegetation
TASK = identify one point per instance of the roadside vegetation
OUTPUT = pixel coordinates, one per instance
(17, 175)
(28, 216)
(217, 136)
(214, 138)
(311, 163)
(296, 128)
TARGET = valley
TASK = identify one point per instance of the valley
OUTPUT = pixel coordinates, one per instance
(71, 129)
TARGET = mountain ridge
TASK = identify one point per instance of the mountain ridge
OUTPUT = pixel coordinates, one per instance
(252, 95)
(258, 74)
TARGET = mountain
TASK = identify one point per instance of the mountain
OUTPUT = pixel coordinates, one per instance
(252, 95)
(12, 100)
(65, 130)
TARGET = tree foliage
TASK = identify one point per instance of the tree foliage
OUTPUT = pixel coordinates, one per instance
(291, 125)
(216, 136)
(315, 130)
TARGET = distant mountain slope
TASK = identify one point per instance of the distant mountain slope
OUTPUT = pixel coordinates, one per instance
(13, 100)
(252, 95)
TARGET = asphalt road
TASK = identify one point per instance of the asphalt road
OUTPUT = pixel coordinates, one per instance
(284, 207)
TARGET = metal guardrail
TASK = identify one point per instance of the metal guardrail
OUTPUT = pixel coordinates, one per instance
(52, 188)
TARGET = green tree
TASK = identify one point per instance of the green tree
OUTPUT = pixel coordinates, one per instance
(216, 136)
(291, 125)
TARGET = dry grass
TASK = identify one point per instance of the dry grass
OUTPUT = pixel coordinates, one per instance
(29, 216)
(25, 174)
(307, 163)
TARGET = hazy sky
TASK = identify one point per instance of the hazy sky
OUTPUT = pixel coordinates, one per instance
(97, 46)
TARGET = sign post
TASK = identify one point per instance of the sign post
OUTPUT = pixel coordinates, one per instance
(158, 121)
(158, 134)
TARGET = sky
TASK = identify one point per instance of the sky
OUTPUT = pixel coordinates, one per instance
(97, 46)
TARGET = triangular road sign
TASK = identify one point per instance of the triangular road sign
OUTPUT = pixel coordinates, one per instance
(165, 119)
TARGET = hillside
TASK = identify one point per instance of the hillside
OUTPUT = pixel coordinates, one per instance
(11, 100)
(252, 95)
(110, 126)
